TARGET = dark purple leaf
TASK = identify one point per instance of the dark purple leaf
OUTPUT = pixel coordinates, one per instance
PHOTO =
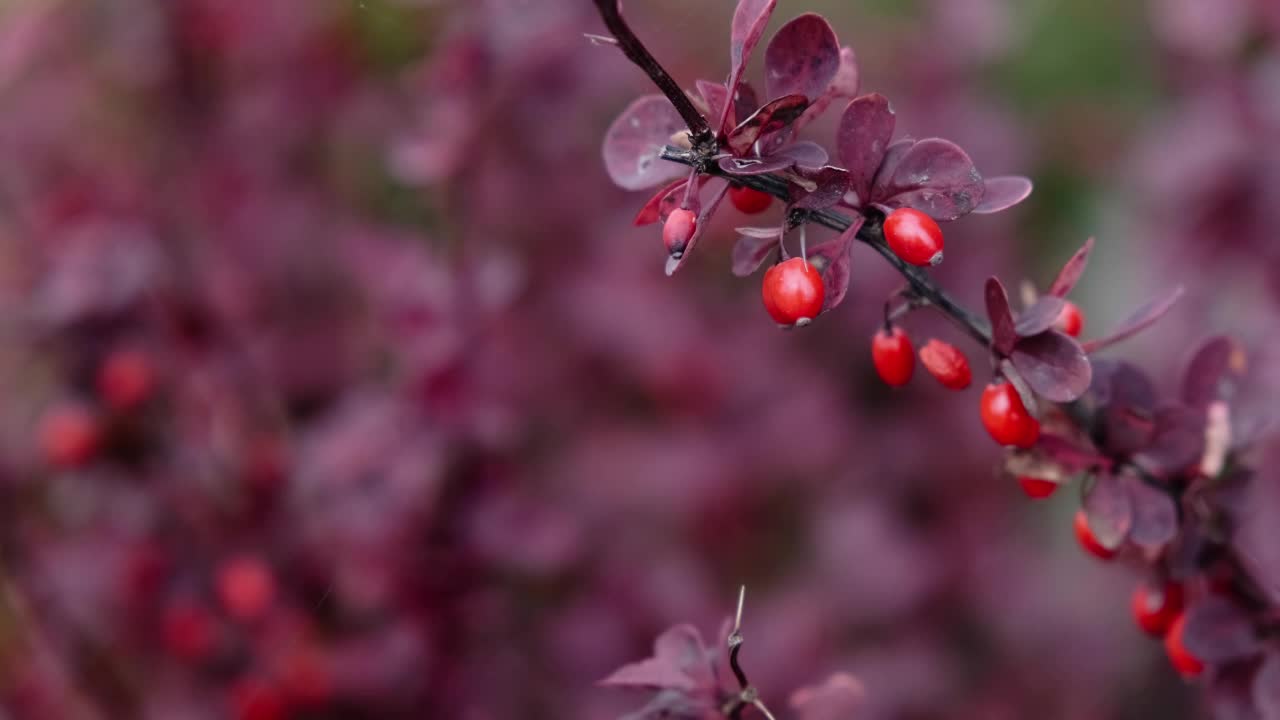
(1139, 320)
(674, 705)
(935, 177)
(862, 139)
(1053, 365)
(745, 102)
(818, 189)
(1266, 687)
(650, 213)
(1003, 332)
(1071, 272)
(1155, 516)
(1219, 631)
(774, 116)
(717, 195)
(843, 86)
(1002, 193)
(714, 95)
(755, 166)
(1041, 316)
(680, 662)
(889, 165)
(752, 249)
(1229, 694)
(634, 141)
(802, 58)
(1110, 511)
(1123, 399)
(1176, 443)
(1025, 393)
(806, 153)
(749, 19)
(1068, 455)
(839, 697)
(1214, 370)
(834, 260)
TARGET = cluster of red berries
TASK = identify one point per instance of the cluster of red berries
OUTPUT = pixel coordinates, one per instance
(70, 433)
(894, 358)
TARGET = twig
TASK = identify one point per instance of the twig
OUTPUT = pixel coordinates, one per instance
(700, 133)
(747, 693)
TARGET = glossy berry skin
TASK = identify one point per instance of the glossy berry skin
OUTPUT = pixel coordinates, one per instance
(1037, 488)
(749, 201)
(1071, 320)
(677, 230)
(246, 587)
(893, 356)
(125, 380)
(1155, 609)
(1006, 418)
(69, 435)
(1187, 665)
(947, 364)
(1084, 534)
(914, 237)
(793, 292)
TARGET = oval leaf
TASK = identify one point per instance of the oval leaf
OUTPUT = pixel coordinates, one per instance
(1218, 631)
(1139, 320)
(1155, 516)
(888, 165)
(1110, 511)
(714, 96)
(752, 249)
(834, 260)
(674, 264)
(1003, 332)
(805, 153)
(1177, 442)
(634, 142)
(802, 58)
(749, 19)
(755, 166)
(862, 139)
(1002, 193)
(1071, 272)
(818, 189)
(843, 86)
(935, 177)
(774, 116)
(1213, 372)
(650, 213)
(1040, 317)
(1053, 365)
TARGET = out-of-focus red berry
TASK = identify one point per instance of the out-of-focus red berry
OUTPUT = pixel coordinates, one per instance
(189, 630)
(306, 678)
(1037, 488)
(893, 356)
(947, 364)
(914, 237)
(1006, 418)
(256, 699)
(1155, 608)
(793, 292)
(1088, 541)
(69, 435)
(1187, 665)
(126, 379)
(749, 201)
(246, 586)
(677, 230)
(1071, 320)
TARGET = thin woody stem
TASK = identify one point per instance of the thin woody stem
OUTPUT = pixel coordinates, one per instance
(700, 133)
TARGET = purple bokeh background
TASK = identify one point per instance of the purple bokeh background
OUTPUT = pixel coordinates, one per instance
(409, 355)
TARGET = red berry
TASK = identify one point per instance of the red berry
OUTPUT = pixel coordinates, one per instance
(677, 230)
(1037, 488)
(1155, 609)
(306, 678)
(946, 363)
(914, 237)
(1070, 320)
(1187, 665)
(893, 357)
(749, 200)
(189, 630)
(246, 587)
(793, 292)
(1087, 540)
(125, 379)
(69, 435)
(1006, 418)
(256, 699)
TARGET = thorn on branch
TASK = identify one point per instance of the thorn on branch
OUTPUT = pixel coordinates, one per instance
(747, 693)
(600, 39)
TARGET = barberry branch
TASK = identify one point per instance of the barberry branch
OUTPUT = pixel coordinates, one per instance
(747, 693)
(700, 134)
(871, 233)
